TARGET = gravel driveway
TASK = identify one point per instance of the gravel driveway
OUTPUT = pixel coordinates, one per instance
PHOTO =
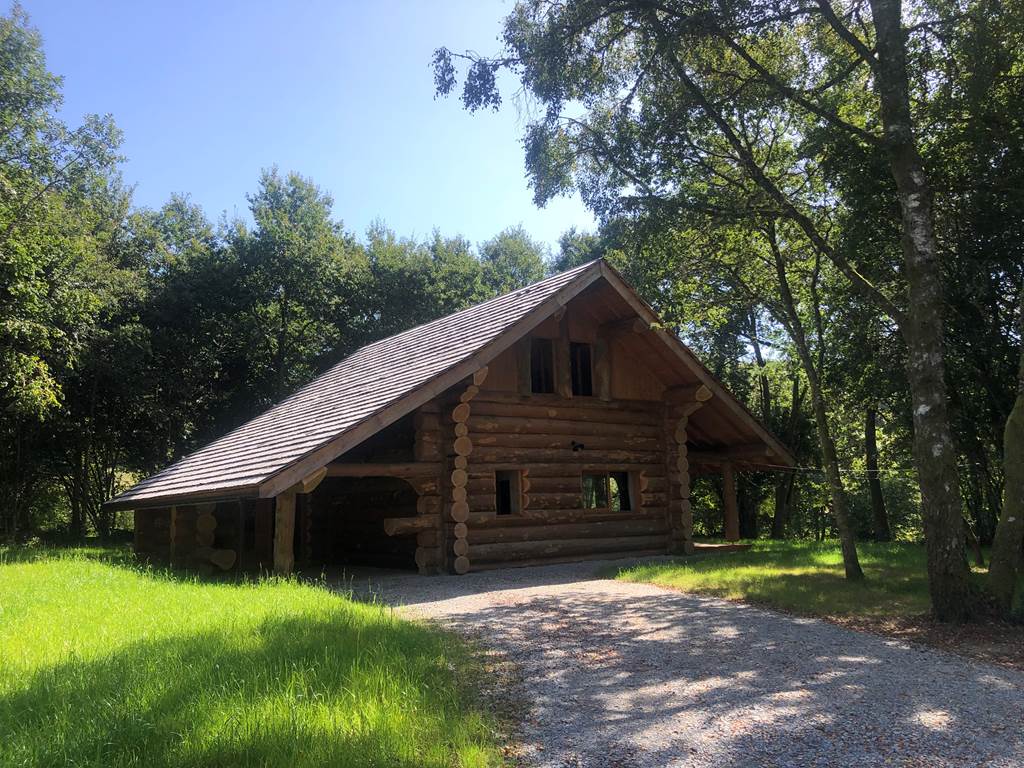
(620, 674)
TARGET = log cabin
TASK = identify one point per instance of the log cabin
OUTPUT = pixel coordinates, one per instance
(555, 423)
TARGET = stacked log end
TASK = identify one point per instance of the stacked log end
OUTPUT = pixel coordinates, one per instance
(462, 447)
(679, 509)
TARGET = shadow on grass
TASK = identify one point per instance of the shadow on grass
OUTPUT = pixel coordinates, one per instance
(327, 690)
(804, 577)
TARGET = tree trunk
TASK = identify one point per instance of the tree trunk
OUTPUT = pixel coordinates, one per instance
(878, 512)
(829, 460)
(949, 583)
(784, 485)
(783, 494)
(1005, 564)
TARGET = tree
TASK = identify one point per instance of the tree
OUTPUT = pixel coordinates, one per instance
(290, 267)
(660, 85)
(1005, 566)
(53, 181)
(512, 259)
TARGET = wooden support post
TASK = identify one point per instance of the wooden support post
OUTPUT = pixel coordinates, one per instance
(284, 532)
(732, 515)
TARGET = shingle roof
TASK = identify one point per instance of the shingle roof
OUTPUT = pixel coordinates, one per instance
(361, 385)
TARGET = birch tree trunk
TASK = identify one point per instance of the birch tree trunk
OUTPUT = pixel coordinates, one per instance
(934, 455)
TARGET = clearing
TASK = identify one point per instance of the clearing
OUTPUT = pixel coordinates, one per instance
(107, 664)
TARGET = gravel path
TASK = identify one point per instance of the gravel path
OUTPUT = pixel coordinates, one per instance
(628, 675)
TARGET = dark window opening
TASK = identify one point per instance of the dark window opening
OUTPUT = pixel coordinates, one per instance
(542, 366)
(607, 490)
(506, 492)
(582, 372)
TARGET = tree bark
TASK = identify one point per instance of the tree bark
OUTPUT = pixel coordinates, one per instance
(949, 583)
(879, 515)
(1005, 564)
(784, 484)
(829, 460)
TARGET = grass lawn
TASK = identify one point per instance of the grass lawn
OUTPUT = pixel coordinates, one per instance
(106, 664)
(804, 577)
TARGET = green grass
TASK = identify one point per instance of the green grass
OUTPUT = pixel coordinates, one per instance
(804, 577)
(106, 664)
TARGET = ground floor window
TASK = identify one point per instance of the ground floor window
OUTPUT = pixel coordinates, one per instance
(607, 490)
(508, 492)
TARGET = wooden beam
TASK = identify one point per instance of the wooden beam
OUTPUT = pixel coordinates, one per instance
(284, 533)
(730, 508)
(399, 526)
(740, 454)
(696, 393)
(312, 480)
(627, 325)
(400, 469)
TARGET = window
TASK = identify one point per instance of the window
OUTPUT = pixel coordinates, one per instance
(507, 492)
(607, 490)
(542, 366)
(582, 374)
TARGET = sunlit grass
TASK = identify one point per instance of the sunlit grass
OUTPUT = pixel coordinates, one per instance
(104, 664)
(804, 577)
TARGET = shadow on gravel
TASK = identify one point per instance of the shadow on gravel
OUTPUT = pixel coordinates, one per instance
(633, 675)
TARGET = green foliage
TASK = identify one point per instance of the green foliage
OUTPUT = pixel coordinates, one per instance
(804, 577)
(144, 668)
(512, 259)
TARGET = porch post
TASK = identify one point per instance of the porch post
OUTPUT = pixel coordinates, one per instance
(732, 515)
(284, 532)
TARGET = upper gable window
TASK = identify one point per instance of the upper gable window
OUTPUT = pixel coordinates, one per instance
(542, 366)
(582, 370)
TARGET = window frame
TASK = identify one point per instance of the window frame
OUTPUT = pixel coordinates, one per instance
(515, 492)
(606, 473)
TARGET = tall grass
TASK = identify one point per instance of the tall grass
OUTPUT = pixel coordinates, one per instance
(102, 664)
(805, 577)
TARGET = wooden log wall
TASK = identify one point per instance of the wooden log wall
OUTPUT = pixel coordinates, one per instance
(552, 440)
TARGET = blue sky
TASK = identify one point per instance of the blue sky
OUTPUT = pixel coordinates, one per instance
(208, 93)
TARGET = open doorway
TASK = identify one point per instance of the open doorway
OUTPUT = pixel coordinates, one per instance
(346, 522)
